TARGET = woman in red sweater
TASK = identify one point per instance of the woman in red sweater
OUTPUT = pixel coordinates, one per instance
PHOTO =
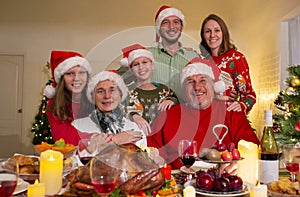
(67, 94)
(233, 65)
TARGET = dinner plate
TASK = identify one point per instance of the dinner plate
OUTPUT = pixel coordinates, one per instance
(223, 194)
(198, 165)
(219, 162)
(21, 187)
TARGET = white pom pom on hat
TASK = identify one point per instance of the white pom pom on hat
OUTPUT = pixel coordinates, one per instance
(132, 52)
(110, 75)
(60, 63)
(164, 12)
(202, 66)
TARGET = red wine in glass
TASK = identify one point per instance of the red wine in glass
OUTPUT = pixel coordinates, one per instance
(188, 160)
(104, 188)
(292, 167)
(85, 160)
(7, 187)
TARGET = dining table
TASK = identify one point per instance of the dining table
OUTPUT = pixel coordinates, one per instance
(282, 173)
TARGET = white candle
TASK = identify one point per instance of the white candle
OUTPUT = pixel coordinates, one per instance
(259, 191)
(189, 191)
(248, 167)
(36, 190)
(51, 168)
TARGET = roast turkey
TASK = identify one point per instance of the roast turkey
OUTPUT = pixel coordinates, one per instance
(135, 169)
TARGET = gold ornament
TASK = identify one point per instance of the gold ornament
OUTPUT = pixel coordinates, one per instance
(295, 82)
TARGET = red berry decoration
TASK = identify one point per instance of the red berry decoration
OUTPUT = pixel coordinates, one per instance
(297, 126)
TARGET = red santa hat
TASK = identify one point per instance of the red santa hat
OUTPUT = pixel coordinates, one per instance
(110, 75)
(60, 63)
(133, 52)
(202, 66)
(164, 12)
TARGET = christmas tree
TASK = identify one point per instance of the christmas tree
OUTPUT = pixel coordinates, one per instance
(287, 121)
(40, 127)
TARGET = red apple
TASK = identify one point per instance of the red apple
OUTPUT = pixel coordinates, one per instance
(204, 181)
(235, 154)
(236, 183)
(230, 146)
(222, 185)
(226, 156)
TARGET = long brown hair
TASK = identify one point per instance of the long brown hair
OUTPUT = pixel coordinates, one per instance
(62, 103)
(226, 44)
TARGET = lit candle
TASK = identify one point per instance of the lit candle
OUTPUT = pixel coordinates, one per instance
(247, 168)
(51, 168)
(189, 191)
(36, 190)
(166, 170)
(259, 191)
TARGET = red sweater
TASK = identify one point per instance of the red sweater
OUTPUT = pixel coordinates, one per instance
(64, 129)
(235, 73)
(182, 122)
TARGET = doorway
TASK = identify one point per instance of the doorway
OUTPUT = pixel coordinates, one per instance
(11, 80)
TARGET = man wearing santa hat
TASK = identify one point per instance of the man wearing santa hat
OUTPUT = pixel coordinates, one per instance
(169, 54)
(197, 118)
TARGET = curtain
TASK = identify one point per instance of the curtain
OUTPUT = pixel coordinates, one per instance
(294, 40)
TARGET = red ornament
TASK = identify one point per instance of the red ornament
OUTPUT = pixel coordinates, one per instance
(166, 170)
(297, 126)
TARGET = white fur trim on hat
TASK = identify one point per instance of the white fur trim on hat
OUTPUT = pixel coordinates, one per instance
(139, 53)
(166, 13)
(69, 63)
(102, 76)
(136, 54)
(201, 68)
(124, 62)
(49, 91)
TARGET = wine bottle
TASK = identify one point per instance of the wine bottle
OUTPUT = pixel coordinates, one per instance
(268, 158)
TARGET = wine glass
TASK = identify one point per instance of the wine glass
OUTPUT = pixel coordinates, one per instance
(187, 153)
(103, 176)
(291, 159)
(85, 151)
(9, 173)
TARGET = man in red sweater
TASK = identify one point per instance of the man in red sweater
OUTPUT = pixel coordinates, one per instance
(195, 119)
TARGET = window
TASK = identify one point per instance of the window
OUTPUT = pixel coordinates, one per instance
(290, 46)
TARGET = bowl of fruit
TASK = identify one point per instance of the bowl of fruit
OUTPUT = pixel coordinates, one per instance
(209, 182)
(66, 149)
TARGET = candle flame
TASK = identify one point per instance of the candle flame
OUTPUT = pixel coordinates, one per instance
(51, 158)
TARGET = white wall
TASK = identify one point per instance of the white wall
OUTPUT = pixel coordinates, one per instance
(35, 27)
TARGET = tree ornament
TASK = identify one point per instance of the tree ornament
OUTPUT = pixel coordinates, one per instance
(295, 82)
(297, 126)
(290, 91)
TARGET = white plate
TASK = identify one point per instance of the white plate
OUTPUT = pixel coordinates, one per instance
(22, 187)
(198, 165)
(224, 194)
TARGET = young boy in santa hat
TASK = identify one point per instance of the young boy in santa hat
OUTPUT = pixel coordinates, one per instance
(146, 98)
